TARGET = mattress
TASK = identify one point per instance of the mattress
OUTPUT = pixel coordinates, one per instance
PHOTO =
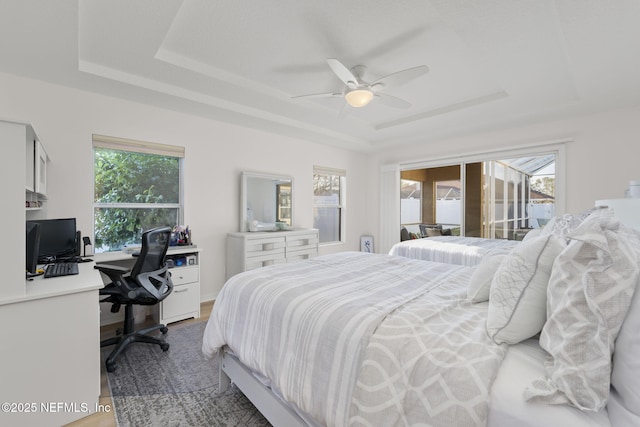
(355, 338)
(458, 250)
(406, 345)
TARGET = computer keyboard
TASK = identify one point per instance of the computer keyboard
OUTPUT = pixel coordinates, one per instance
(61, 269)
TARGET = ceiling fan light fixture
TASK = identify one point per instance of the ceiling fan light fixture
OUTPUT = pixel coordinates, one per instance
(358, 97)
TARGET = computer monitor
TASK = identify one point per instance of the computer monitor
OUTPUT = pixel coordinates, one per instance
(58, 239)
(33, 247)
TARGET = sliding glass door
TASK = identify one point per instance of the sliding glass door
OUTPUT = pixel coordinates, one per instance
(490, 198)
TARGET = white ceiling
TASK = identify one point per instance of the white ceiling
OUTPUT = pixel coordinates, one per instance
(492, 63)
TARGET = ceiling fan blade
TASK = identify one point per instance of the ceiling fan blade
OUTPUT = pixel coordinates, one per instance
(319, 95)
(400, 77)
(392, 101)
(342, 72)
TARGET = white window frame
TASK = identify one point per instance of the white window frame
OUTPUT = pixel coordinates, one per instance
(390, 180)
(341, 205)
(145, 147)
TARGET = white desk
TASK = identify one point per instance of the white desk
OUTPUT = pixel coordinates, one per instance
(50, 357)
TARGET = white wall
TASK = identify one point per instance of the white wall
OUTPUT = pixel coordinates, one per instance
(600, 161)
(216, 153)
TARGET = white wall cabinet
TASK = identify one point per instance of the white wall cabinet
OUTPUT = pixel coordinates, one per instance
(15, 137)
(249, 250)
(30, 178)
(41, 160)
(36, 163)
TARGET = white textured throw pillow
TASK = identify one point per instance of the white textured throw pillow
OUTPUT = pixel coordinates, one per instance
(563, 225)
(589, 294)
(518, 295)
(480, 282)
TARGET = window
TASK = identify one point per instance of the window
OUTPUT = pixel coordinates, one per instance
(447, 203)
(328, 203)
(487, 198)
(137, 186)
(410, 202)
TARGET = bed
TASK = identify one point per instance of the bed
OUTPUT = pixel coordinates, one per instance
(452, 249)
(368, 339)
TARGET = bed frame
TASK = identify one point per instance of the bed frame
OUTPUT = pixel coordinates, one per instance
(274, 409)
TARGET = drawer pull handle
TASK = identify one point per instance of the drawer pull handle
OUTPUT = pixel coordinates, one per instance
(180, 290)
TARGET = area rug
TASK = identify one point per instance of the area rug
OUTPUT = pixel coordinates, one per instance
(175, 388)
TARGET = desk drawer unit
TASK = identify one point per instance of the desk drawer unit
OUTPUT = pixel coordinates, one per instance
(183, 275)
(184, 301)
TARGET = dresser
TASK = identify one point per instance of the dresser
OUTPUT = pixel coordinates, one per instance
(249, 250)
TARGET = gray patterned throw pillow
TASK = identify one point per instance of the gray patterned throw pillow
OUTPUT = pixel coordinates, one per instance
(589, 293)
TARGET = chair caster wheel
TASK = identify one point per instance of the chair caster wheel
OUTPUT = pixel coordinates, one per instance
(111, 367)
(164, 346)
(164, 330)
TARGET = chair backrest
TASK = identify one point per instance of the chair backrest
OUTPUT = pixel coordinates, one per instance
(404, 234)
(151, 272)
(155, 243)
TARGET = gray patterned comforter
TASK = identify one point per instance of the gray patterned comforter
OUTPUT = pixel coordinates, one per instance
(355, 338)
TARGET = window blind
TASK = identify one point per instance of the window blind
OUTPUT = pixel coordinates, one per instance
(124, 144)
(319, 170)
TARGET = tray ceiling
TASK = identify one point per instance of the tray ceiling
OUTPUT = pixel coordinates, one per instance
(492, 63)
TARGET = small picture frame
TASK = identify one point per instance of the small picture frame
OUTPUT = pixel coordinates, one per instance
(366, 244)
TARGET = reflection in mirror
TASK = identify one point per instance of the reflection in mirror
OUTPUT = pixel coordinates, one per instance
(266, 202)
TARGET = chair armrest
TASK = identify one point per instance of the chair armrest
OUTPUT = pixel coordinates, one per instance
(157, 283)
(109, 269)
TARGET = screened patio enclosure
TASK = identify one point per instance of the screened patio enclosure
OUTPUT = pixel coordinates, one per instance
(494, 199)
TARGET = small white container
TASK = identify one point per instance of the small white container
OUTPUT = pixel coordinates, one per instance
(634, 189)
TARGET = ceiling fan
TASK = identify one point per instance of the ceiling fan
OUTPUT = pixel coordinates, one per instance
(359, 93)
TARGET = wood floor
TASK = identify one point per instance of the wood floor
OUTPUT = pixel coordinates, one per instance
(107, 419)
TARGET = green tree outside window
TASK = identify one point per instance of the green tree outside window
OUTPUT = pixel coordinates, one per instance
(133, 192)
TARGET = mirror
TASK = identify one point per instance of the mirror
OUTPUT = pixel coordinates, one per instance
(266, 202)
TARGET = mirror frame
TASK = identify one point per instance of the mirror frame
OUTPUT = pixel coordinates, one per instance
(244, 176)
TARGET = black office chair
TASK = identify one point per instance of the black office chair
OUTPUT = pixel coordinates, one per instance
(148, 283)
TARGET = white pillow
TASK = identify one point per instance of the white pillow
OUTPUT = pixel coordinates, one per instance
(480, 282)
(589, 295)
(518, 296)
(624, 402)
(563, 225)
(532, 233)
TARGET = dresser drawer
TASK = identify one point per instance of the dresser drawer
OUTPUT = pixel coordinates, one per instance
(304, 253)
(302, 241)
(184, 302)
(257, 262)
(183, 275)
(262, 245)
